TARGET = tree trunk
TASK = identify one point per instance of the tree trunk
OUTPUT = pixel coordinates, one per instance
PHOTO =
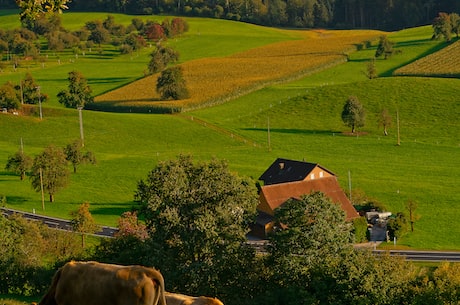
(51, 197)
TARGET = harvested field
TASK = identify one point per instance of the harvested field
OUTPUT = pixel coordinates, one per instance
(444, 63)
(215, 80)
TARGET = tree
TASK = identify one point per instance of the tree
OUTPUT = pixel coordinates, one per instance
(384, 48)
(397, 225)
(442, 26)
(455, 23)
(76, 156)
(128, 225)
(353, 114)
(310, 234)
(98, 33)
(312, 227)
(31, 92)
(83, 222)
(154, 31)
(50, 170)
(198, 216)
(371, 71)
(78, 93)
(32, 9)
(384, 120)
(171, 84)
(161, 57)
(8, 97)
(411, 206)
(19, 163)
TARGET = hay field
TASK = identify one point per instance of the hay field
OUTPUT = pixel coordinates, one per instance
(215, 80)
(445, 63)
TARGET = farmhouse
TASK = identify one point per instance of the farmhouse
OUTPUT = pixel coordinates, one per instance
(286, 179)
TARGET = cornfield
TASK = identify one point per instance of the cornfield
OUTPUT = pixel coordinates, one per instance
(212, 81)
(444, 63)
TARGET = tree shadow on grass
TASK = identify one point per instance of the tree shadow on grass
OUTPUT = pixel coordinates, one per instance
(12, 201)
(296, 131)
(109, 209)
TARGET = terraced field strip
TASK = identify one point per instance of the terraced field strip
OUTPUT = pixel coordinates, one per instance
(445, 63)
(215, 80)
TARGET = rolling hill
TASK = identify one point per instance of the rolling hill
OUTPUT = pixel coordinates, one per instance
(304, 120)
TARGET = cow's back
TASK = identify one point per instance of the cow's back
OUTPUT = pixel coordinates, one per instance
(182, 299)
(92, 283)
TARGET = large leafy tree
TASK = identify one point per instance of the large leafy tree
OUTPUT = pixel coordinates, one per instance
(19, 163)
(442, 26)
(310, 233)
(30, 10)
(78, 93)
(353, 114)
(197, 216)
(50, 170)
(171, 84)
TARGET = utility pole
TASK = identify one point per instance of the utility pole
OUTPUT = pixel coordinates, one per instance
(268, 131)
(41, 187)
(349, 184)
(80, 115)
(397, 124)
(40, 102)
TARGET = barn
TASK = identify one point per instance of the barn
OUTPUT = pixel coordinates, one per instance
(286, 179)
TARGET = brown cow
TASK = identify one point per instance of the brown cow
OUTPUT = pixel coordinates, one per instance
(93, 283)
(181, 299)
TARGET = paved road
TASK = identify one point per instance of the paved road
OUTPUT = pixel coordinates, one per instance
(425, 256)
(421, 256)
(57, 223)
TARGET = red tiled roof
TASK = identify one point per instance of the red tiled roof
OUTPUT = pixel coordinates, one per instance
(277, 194)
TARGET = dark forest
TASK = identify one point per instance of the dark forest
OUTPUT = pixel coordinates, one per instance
(340, 14)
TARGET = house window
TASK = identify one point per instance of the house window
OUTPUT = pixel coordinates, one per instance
(312, 176)
(321, 174)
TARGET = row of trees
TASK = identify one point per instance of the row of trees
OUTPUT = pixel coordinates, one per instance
(49, 171)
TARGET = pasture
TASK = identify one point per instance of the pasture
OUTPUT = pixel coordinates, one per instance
(304, 121)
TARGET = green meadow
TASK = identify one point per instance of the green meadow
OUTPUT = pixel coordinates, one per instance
(298, 120)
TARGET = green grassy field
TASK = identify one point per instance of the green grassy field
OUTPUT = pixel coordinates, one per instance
(304, 118)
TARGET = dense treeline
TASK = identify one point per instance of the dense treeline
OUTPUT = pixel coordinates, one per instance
(378, 14)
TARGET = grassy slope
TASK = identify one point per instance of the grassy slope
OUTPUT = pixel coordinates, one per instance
(424, 167)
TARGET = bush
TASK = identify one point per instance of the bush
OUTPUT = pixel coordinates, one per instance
(398, 226)
(360, 229)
